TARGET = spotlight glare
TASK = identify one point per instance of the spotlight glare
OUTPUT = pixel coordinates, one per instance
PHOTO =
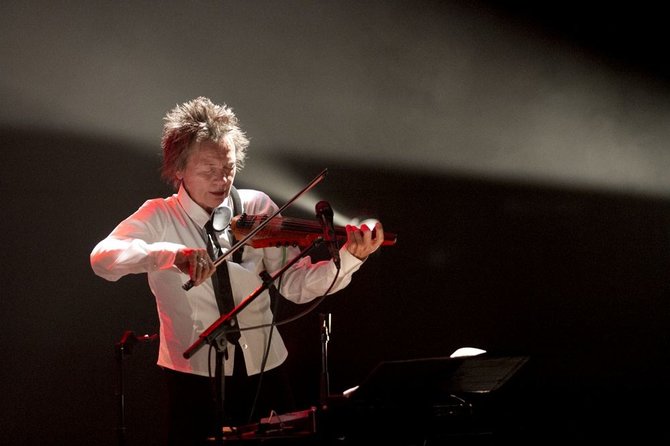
(360, 221)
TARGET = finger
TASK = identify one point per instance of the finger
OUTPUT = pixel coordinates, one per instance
(199, 265)
(352, 233)
(379, 234)
(208, 268)
(358, 236)
(366, 236)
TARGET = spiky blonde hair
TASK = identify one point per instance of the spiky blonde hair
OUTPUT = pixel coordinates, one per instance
(195, 121)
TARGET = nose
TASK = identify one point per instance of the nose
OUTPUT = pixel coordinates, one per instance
(223, 177)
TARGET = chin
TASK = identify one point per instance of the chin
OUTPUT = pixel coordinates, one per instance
(215, 203)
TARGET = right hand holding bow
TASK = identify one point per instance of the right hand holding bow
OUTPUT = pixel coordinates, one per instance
(196, 263)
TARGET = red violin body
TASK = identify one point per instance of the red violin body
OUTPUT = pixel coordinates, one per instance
(286, 231)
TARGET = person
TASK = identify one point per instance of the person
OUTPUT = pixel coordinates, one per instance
(203, 148)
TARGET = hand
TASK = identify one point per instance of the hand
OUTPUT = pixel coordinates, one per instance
(196, 263)
(361, 243)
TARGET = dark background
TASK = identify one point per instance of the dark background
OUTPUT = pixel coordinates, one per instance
(518, 152)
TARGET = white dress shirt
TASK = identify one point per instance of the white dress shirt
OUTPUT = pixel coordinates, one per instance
(147, 242)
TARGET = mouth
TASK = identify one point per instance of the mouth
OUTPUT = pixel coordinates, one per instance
(220, 194)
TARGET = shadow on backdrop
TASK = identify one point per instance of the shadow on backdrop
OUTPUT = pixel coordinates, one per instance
(575, 279)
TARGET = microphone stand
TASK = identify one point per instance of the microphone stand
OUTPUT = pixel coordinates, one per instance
(125, 347)
(214, 335)
(324, 393)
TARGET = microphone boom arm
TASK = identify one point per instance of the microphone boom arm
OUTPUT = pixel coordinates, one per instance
(214, 335)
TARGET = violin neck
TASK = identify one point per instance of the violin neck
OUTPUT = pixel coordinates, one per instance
(389, 237)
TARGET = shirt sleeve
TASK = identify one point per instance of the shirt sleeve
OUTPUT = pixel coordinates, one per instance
(305, 280)
(134, 246)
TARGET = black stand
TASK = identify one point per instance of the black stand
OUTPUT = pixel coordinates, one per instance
(324, 322)
(125, 347)
(215, 334)
(219, 389)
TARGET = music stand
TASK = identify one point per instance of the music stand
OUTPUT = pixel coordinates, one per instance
(426, 398)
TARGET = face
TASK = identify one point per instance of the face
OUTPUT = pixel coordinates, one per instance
(209, 173)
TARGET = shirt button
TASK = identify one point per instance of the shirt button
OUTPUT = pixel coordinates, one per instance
(245, 346)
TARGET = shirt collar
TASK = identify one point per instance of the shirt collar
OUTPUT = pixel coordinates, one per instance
(193, 209)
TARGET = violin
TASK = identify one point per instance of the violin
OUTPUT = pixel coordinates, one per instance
(287, 231)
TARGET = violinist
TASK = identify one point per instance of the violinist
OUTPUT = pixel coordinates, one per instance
(167, 238)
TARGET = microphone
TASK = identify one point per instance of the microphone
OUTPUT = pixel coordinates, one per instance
(128, 338)
(324, 213)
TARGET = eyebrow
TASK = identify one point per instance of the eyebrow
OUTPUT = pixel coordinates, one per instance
(210, 164)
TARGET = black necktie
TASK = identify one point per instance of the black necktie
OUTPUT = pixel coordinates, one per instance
(221, 283)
